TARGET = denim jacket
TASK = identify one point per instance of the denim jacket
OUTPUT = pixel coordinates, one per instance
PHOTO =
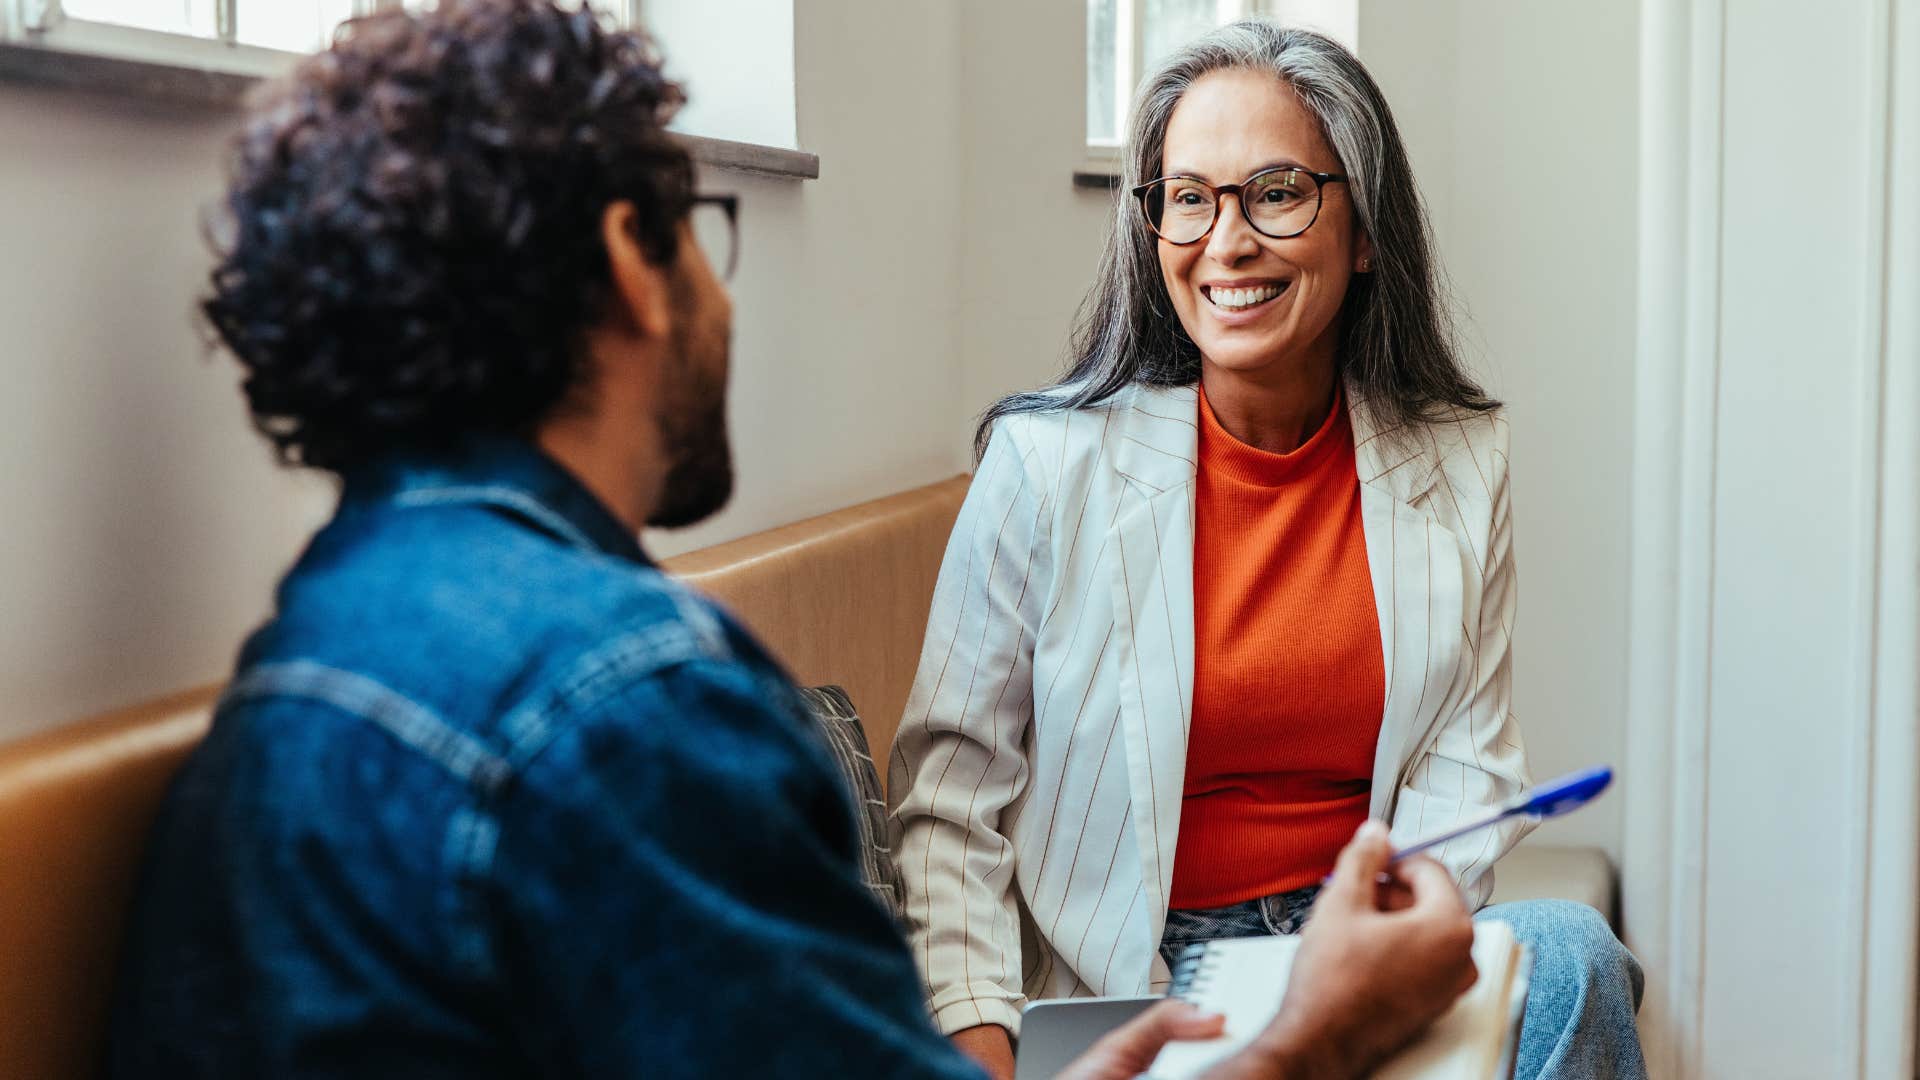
(490, 796)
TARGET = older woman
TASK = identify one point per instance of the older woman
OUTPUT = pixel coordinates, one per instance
(1240, 581)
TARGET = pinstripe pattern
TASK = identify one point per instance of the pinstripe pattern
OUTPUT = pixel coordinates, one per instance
(837, 719)
(1037, 776)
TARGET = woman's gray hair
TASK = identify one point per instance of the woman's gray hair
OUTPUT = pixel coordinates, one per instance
(1396, 340)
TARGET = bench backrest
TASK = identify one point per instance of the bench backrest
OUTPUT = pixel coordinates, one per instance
(841, 598)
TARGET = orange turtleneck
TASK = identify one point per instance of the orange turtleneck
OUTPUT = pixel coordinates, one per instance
(1288, 683)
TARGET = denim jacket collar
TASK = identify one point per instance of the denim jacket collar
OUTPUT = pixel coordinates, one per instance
(506, 474)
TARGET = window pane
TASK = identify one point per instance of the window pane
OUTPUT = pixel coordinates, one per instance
(738, 59)
(293, 25)
(1172, 23)
(172, 16)
(1103, 60)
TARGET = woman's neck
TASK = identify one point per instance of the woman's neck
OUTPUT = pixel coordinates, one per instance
(1272, 411)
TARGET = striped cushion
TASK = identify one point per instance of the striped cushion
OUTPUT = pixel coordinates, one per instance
(834, 712)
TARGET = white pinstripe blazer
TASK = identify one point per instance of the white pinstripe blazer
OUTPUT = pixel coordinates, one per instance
(1036, 780)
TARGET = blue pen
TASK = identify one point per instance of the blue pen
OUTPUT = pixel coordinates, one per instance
(1551, 799)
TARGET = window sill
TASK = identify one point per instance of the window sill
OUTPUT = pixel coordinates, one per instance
(752, 157)
(1096, 180)
(224, 89)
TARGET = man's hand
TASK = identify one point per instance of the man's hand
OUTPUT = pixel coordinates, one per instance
(1122, 1054)
(1376, 965)
(990, 1046)
(1128, 1050)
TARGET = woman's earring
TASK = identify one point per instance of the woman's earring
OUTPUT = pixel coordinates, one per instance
(1366, 265)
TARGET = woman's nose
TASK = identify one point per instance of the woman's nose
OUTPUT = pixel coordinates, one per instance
(1232, 238)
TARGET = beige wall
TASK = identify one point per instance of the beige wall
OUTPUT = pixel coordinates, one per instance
(847, 304)
(145, 523)
(935, 265)
(1521, 119)
(1031, 241)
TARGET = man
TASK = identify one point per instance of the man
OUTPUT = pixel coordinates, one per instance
(489, 795)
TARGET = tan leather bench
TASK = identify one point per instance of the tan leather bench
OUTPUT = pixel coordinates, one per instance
(842, 598)
(75, 804)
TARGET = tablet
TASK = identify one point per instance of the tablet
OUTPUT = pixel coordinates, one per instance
(1056, 1031)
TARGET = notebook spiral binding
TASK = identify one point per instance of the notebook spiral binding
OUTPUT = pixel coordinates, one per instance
(1193, 968)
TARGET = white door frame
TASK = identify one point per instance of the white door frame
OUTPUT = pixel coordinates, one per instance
(1678, 363)
(1890, 939)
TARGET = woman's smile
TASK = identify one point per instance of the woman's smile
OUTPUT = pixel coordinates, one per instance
(1258, 304)
(1243, 301)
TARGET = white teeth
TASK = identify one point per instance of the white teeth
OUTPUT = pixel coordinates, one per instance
(1241, 298)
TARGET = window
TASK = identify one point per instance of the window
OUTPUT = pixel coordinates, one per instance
(231, 37)
(736, 56)
(238, 37)
(270, 24)
(1128, 38)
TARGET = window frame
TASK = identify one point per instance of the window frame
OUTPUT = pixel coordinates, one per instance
(40, 43)
(1101, 163)
(648, 12)
(1130, 27)
(1101, 158)
(44, 24)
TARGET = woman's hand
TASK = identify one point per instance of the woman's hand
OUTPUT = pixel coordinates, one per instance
(990, 1046)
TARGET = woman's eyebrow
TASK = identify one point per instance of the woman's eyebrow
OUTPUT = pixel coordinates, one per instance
(1281, 163)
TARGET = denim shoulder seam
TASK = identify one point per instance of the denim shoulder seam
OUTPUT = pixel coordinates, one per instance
(530, 725)
(460, 755)
(471, 833)
(499, 495)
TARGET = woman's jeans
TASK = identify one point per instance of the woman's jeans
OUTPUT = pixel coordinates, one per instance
(1586, 985)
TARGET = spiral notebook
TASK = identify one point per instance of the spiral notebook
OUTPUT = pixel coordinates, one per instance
(1244, 978)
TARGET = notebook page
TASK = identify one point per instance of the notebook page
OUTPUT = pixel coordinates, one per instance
(1466, 1042)
(1244, 979)
(1516, 1012)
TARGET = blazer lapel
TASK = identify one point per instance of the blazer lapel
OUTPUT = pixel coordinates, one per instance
(1415, 564)
(1153, 617)
(1417, 583)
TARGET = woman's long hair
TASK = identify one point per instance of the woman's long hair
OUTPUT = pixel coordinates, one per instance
(1396, 340)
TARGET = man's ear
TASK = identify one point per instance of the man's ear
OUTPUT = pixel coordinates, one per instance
(641, 297)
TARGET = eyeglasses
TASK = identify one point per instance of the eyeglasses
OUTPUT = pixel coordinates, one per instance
(1279, 203)
(715, 220)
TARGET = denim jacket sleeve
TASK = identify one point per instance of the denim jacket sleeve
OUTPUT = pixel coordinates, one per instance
(677, 893)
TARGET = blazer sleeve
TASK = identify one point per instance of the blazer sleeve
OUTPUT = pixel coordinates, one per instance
(958, 759)
(1477, 760)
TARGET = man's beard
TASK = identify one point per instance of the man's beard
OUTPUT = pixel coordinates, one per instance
(700, 467)
(693, 435)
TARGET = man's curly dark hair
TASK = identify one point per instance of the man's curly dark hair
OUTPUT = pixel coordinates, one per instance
(412, 247)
